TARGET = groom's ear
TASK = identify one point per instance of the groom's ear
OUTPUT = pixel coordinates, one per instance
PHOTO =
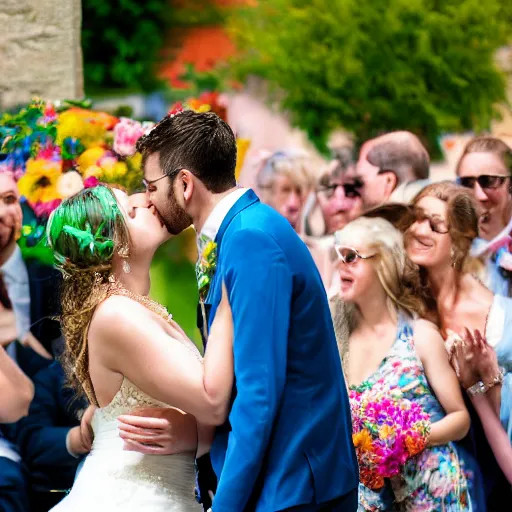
(187, 183)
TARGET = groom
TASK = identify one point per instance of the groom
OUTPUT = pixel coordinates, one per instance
(287, 443)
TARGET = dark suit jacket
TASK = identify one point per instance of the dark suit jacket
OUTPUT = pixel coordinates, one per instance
(42, 434)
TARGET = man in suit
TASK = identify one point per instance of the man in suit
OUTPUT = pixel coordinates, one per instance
(52, 438)
(287, 444)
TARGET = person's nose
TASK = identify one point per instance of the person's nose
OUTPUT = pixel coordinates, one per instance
(340, 201)
(480, 194)
(294, 201)
(140, 200)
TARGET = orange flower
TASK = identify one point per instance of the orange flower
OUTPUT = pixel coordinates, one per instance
(370, 479)
(415, 445)
(363, 440)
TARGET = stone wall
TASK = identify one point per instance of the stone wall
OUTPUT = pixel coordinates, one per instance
(40, 52)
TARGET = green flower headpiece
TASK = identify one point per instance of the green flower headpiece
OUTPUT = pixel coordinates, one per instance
(81, 229)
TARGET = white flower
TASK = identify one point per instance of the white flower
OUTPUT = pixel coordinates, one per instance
(69, 183)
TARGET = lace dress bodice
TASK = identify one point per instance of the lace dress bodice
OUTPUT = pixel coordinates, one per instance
(114, 479)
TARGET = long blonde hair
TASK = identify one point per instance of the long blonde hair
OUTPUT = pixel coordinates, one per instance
(396, 273)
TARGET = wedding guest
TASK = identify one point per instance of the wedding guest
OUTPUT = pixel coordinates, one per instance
(439, 241)
(284, 183)
(390, 164)
(496, 435)
(335, 203)
(485, 168)
(16, 392)
(23, 282)
(387, 348)
(52, 438)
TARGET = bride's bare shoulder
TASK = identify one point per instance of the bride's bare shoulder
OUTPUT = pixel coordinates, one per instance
(117, 315)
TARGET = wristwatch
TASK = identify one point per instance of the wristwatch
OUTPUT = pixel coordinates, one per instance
(481, 387)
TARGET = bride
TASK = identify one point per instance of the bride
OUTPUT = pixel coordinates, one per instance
(124, 351)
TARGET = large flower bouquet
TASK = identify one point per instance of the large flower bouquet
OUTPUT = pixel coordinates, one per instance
(56, 149)
(387, 431)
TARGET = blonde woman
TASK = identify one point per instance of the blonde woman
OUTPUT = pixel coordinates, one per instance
(385, 345)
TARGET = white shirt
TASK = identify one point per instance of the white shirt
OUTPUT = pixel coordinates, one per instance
(216, 218)
(18, 288)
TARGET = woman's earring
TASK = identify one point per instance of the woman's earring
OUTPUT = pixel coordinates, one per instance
(126, 267)
(124, 254)
(452, 256)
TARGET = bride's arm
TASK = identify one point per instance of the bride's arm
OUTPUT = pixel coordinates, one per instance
(129, 341)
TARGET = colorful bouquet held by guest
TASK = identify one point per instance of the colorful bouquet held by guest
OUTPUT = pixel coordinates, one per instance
(387, 431)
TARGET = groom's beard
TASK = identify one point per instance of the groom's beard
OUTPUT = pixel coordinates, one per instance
(175, 218)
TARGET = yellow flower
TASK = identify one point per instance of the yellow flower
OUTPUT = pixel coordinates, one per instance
(39, 183)
(386, 431)
(362, 440)
(135, 161)
(89, 158)
(242, 146)
(209, 248)
(73, 123)
(112, 170)
(93, 170)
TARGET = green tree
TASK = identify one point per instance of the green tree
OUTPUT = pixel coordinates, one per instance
(371, 66)
(121, 41)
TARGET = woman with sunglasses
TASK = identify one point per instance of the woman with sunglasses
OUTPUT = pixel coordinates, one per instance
(485, 168)
(385, 346)
(445, 223)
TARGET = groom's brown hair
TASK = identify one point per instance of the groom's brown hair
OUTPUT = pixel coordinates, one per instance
(198, 141)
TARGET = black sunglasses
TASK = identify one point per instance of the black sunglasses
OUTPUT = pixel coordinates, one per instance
(437, 225)
(350, 189)
(169, 174)
(486, 181)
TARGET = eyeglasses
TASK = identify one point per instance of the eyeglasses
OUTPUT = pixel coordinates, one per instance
(349, 255)
(350, 190)
(486, 181)
(437, 224)
(169, 174)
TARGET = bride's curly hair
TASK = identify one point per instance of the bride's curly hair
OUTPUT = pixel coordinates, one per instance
(85, 231)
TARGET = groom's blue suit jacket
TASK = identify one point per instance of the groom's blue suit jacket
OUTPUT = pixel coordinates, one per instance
(288, 437)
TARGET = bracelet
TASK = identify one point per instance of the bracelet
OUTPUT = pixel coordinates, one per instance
(481, 387)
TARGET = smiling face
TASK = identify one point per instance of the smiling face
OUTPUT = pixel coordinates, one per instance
(428, 247)
(146, 230)
(10, 210)
(495, 202)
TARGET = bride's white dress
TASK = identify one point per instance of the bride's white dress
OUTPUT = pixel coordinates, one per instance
(113, 479)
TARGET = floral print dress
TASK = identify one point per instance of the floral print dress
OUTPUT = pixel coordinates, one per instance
(433, 480)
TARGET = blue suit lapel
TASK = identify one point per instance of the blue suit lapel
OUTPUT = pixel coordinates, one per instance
(246, 200)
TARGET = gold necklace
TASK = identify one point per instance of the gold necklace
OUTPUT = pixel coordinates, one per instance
(116, 288)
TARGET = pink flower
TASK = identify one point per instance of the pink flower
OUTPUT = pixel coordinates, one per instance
(91, 182)
(126, 134)
(44, 209)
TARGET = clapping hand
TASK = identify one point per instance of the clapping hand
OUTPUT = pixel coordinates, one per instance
(473, 359)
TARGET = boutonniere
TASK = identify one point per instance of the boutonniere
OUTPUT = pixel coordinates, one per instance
(206, 268)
